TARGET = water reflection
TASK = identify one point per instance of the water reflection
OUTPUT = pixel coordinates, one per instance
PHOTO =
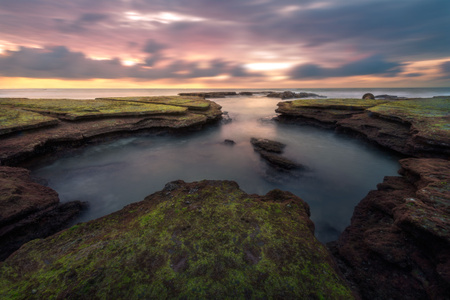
(340, 171)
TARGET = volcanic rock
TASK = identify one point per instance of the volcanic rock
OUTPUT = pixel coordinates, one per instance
(206, 240)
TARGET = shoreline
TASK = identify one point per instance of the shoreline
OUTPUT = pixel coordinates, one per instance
(398, 133)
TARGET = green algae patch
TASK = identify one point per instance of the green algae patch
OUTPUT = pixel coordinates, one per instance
(13, 119)
(191, 102)
(338, 104)
(196, 240)
(430, 117)
(79, 109)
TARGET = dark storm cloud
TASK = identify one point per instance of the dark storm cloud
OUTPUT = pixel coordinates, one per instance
(60, 62)
(375, 65)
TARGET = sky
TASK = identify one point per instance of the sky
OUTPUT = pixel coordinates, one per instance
(224, 44)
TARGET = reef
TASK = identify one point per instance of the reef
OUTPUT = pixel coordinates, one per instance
(201, 240)
(413, 127)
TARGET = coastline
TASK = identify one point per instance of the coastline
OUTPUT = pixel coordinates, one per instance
(356, 121)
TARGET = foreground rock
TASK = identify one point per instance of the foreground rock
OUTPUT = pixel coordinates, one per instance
(29, 210)
(397, 246)
(271, 151)
(67, 122)
(197, 240)
(415, 127)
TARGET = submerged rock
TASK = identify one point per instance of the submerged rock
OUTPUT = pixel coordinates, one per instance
(397, 246)
(196, 240)
(270, 151)
(229, 142)
(267, 145)
(29, 210)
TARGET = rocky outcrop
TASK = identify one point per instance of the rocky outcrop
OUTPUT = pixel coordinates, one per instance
(416, 127)
(29, 210)
(271, 151)
(397, 246)
(369, 96)
(201, 240)
(291, 95)
(210, 94)
(21, 145)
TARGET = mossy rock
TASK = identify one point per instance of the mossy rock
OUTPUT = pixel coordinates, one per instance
(74, 109)
(345, 104)
(191, 102)
(14, 119)
(199, 240)
(430, 117)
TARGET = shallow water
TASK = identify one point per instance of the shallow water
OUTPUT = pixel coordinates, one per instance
(341, 170)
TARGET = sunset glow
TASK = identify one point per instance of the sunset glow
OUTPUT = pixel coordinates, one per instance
(286, 43)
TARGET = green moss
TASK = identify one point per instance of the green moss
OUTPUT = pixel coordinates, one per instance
(200, 240)
(194, 103)
(77, 109)
(352, 104)
(13, 119)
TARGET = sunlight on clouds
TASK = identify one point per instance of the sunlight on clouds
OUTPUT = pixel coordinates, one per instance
(267, 66)
(161, 17)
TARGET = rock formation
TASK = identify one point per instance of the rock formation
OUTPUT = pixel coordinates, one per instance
(29, 210)
(291, 95)
(397, 246)
(270, 151)
(196, 240)
(416, 127)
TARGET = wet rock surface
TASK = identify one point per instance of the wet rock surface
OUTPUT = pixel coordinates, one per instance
(397, 246)
(29, 210)
(291, 95)
(204, 239)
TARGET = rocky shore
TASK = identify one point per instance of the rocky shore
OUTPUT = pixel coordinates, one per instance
(397, 246)
(34, 127)
(210, 239)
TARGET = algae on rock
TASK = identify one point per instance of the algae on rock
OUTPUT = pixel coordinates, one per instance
(204, 239)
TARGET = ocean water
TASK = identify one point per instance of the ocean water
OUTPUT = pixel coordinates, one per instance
(340, 170)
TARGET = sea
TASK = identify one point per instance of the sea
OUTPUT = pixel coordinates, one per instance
(340, 170)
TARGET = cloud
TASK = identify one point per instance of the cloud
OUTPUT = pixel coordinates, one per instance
(445, 68)
(153, 47)
(374, 65)
(60, 62)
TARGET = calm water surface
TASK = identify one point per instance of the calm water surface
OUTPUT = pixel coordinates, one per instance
(340, 173)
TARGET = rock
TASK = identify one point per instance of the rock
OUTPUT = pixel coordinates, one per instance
(223, 244)
(229, 142)
(210, 94)
(246, 93)
(279, 161)
(413, 127)
(29, 210)
(267, 145)
(389, 97)
(397, 246)
(181, 114)
(270, 151)
(368, 96)
(290, 95)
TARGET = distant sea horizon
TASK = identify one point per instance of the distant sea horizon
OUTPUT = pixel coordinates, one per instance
(90, 93)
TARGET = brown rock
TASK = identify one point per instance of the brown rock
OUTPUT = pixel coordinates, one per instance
(397, 246)
(368, 96)
(29, 210)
